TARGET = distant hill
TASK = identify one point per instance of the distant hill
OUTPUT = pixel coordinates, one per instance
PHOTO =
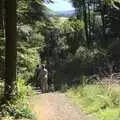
(65, 13)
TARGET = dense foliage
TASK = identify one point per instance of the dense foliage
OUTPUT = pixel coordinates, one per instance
(96, 49)
(31, 20)
(84, 45)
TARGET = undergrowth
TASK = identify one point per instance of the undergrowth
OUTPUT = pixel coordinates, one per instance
(102, 100)
(19, 108)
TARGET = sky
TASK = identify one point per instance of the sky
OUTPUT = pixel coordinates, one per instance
(60, 5)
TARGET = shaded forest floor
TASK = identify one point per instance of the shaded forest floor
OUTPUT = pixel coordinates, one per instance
(56, 106)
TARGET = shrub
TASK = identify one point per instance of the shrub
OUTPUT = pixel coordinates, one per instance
(27, 61)
(23, 89)
(16, 110)
(19, 108)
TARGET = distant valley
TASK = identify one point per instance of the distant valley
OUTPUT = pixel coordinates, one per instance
(65, 13)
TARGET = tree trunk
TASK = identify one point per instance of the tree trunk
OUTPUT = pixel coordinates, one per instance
(89, 22)
(86, 22)
(10, 61)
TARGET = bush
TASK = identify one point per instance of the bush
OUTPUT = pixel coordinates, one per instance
(23, 89)
(27, 62)
(16, 111)
(19, 108)
(85, 62)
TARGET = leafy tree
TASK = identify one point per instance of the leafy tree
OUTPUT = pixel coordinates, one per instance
(20, 21)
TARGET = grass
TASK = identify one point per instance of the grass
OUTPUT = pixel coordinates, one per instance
(102, 100)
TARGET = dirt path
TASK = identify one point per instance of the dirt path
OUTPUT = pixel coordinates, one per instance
(56, 106)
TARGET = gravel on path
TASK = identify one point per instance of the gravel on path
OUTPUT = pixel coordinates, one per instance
(56, 106)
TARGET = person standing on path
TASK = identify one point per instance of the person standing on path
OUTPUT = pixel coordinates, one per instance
(43, 76)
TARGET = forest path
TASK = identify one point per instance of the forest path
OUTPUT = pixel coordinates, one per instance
(56, 106)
